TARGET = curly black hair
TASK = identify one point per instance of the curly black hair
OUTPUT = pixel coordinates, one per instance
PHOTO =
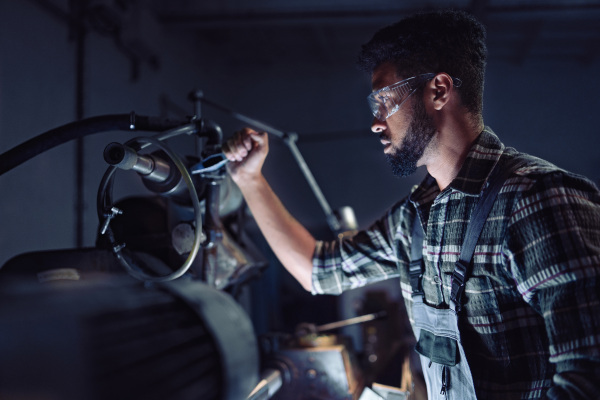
(447, 41)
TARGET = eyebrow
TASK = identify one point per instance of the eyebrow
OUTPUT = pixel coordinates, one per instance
(376, 85)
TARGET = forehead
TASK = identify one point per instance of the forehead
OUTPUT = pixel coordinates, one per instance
(384, 75)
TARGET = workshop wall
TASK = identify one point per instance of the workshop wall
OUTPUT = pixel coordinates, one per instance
(543, 107)
(38, 93)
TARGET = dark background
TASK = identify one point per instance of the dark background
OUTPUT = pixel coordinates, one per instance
(287, 63)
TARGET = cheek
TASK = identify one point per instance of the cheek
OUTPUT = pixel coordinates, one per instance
(397, 128)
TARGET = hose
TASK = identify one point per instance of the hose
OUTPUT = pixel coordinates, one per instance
(79, 129)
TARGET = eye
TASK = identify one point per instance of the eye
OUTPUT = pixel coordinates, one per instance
(384, 97)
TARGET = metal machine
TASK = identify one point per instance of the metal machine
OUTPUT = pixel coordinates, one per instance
(149, 312)
(115, 338)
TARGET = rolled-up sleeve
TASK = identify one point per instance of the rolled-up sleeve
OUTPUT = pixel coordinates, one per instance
(367, 257)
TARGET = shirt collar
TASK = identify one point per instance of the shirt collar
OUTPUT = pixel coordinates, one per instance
(473, 175)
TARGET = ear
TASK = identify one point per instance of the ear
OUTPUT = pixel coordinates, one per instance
(440, 89)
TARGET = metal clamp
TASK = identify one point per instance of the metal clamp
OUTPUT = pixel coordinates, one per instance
(458, 283)
(114, 211)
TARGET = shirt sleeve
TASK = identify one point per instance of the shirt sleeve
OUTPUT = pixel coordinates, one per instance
(369, 256)
(554, 239)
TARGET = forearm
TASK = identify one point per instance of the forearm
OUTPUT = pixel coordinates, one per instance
(290, 241)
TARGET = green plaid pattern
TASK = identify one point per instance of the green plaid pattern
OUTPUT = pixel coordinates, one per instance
(532, 308)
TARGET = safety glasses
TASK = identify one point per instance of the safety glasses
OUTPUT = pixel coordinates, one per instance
(386, 101)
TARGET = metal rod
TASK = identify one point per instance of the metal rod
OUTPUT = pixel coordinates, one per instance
(250, 121)
(290, 140)
(351, 321)
(332, 220)
(270, 383)
(243, 18)
(80, 33)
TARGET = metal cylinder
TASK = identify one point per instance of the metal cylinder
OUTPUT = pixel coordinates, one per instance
(149, 166)
(115, 338)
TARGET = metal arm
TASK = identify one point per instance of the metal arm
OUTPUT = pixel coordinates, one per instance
(290, 140)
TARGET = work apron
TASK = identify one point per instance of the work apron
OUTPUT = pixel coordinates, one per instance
(445, 367)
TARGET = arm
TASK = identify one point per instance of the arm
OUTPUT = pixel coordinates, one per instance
(290, 241)
(558, 220)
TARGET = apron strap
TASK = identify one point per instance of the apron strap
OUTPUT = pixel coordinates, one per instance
(504, 168)
(417, 266)
(463, 266)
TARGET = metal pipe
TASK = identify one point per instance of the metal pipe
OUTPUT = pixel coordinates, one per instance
(79, 31)
(237, 19)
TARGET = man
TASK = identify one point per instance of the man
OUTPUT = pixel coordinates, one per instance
(528, 322)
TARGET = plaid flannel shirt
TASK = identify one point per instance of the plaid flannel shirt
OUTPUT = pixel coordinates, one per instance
(532, 302)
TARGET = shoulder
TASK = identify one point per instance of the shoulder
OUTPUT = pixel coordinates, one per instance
(534, 173)
(538, 185)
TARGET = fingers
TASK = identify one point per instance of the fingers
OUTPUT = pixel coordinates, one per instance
(238, 147)
(242, 143)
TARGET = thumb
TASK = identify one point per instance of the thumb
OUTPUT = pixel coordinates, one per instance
(259, 137)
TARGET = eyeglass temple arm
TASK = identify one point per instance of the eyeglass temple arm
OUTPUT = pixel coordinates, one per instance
(289, 138)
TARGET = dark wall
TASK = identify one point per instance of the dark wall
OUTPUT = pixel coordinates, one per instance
(543, 107)
(38, 76)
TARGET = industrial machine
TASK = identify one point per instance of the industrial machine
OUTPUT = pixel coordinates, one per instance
(150, 311)
(115, 338)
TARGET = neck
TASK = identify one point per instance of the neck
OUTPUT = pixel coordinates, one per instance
(448, 151)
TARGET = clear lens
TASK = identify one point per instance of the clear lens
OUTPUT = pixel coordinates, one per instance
(386, 101)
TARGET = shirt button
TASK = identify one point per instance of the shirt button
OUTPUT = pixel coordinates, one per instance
(436, 279)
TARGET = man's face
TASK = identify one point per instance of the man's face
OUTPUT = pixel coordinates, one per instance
(405, 134)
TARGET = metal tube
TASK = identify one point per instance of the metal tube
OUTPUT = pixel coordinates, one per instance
(124, 157)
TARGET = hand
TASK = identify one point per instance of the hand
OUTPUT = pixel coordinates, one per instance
(246, 151)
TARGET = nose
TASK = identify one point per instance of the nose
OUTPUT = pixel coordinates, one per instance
(378, 126)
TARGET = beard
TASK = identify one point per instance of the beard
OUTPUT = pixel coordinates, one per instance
(419, 134)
